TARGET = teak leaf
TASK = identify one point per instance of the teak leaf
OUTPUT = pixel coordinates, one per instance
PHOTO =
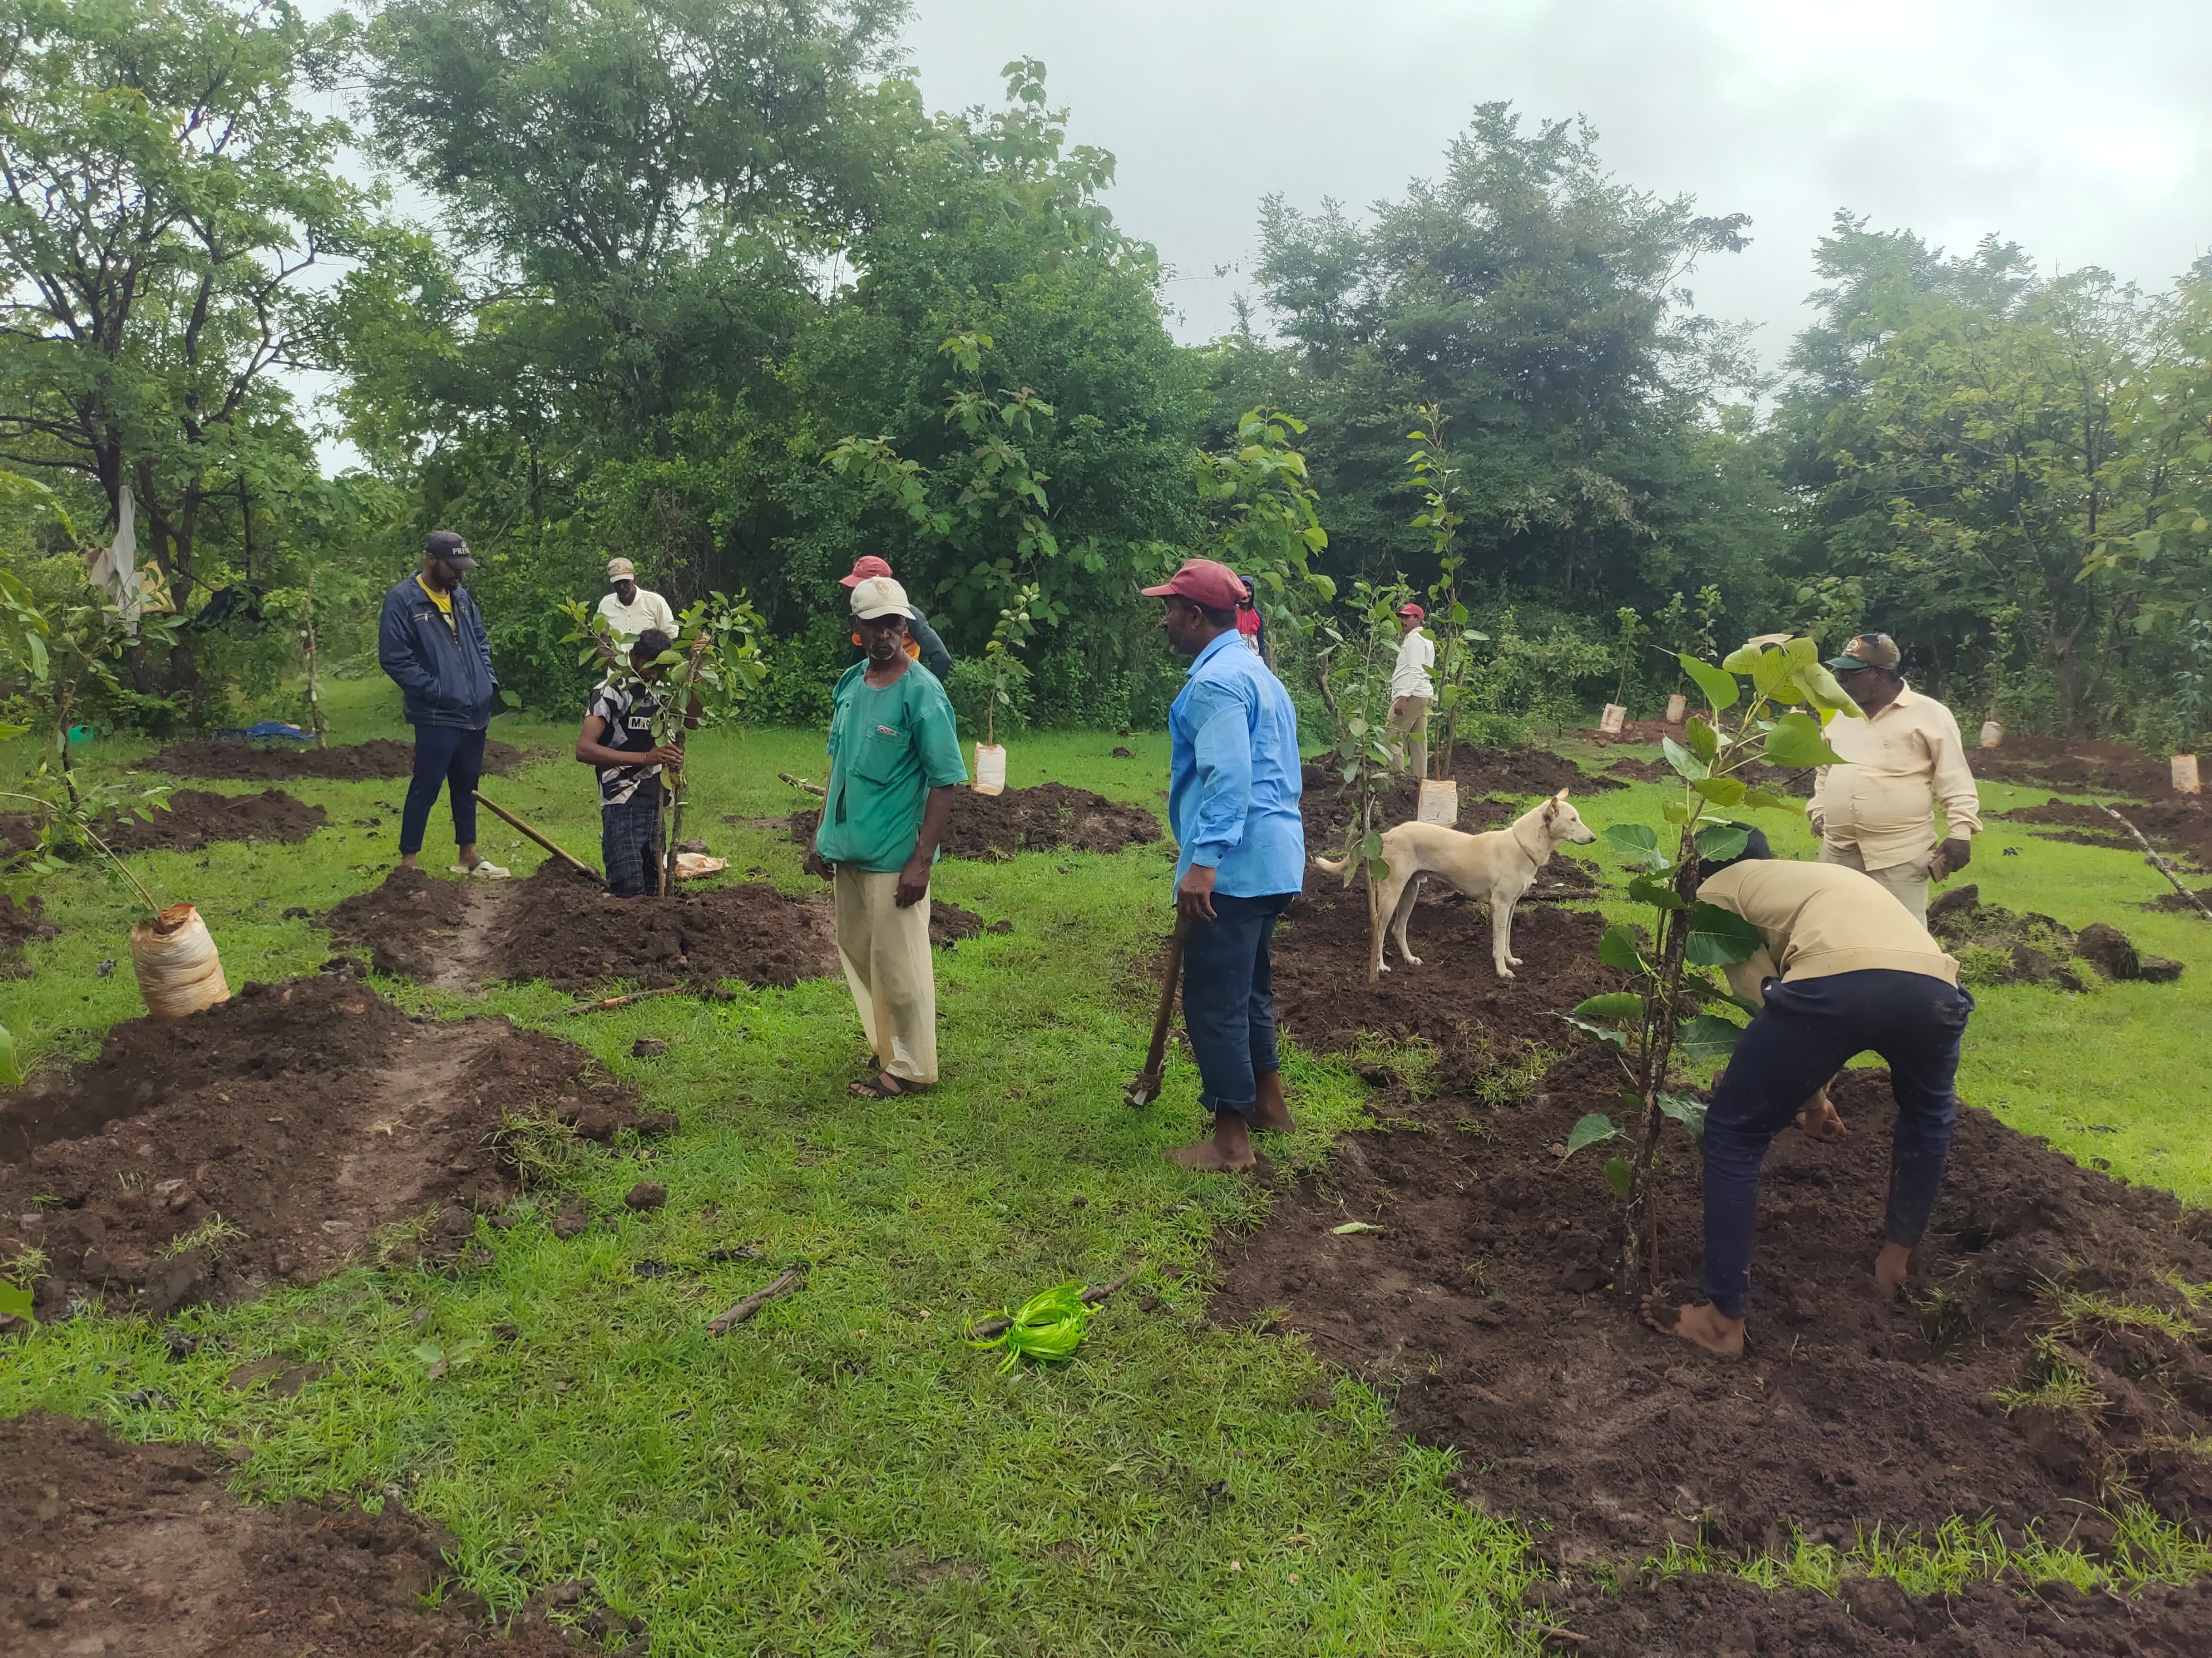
(1719, 686)
(1593, 1128)
(1613, 1005)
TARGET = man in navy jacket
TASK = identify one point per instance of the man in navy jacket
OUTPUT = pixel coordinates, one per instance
(431, 641)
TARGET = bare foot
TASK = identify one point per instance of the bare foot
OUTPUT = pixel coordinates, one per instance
(1704, 1325)
(1229, 1150)
(1890, 1267)
(1268, 1111)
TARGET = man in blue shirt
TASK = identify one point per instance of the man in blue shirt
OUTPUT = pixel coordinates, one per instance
(1233, 801)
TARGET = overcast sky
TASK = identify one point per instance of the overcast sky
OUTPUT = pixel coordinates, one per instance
(2082, 132)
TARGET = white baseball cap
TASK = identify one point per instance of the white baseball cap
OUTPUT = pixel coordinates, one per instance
(879, 596)
(620, 569)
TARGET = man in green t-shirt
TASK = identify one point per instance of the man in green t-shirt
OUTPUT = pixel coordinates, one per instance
(894, 758)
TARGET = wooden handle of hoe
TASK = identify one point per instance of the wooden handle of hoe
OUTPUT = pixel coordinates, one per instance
(509, 818)
(1147, 1087)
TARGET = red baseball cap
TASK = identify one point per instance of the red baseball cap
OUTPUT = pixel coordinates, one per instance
(1205, 582)
(1412, 610)
(863, 569)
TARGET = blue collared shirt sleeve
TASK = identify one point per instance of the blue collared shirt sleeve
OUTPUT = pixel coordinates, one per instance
(1221, 728)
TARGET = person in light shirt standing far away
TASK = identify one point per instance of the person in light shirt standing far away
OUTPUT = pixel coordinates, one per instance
(1873, 813)
(430, 640)
(629, 609)
(1412, 692)
(894, 759)
(1233, 803)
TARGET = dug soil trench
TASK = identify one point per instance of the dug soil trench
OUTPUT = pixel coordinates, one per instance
(1047, 817)
(381, 756)
(1482, 1302)
(192, 819)
(275, 1135)
(2047, 762)
(139, 1551)
(1705, 1616)
(2177, 824)
(566, 929)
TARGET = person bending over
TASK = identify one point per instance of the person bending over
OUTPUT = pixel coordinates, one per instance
(1842, 969)
(618, 739)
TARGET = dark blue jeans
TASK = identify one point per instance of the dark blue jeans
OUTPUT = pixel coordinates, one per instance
(1803, 1037)
(630, 843)
(447, 756)
(1229, 999)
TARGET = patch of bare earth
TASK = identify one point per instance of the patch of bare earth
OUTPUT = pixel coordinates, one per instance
(139, 1551)
(273, 1137)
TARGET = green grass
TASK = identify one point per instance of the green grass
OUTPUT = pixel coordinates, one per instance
(844, 1474)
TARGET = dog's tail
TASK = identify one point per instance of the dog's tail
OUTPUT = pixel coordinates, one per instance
(1336, 868)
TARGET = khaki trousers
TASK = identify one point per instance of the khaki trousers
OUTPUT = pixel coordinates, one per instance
(1907, 883)
(885, 950)
(1408, 732)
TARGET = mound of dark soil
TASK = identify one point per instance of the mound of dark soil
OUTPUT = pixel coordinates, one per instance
(139, 1551)
(1454, 1001)
(1700, 1615)
(2177, 823)
(559, 926)
(1479, 1297)
(2170, 901)
(306, 1114)
(18, 924)
(195, 816)
(381, 756)
(2046, 762)
(1047, 817)
(1994, 945)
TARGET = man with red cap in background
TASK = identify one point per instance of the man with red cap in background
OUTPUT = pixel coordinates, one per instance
(922, 643)
(1412, 692)
(1233, 803)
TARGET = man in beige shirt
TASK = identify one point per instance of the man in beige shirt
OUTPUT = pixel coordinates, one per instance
(1839, 972)
(1872, 813)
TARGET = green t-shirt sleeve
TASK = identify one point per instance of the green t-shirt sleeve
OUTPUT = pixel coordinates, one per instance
(936, 733)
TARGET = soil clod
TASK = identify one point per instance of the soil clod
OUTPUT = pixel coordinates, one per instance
(18, 924)
(1994, 945)
(1049, 816)
(379, 757)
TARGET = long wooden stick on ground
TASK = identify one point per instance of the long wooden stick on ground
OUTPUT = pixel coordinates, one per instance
(789, 1279)
(1090, 1298)
(800, 783)
(601, 1006)
(510, 819)
(2164, 868)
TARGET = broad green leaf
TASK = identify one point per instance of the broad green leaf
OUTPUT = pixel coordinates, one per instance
(1743, 659)
(1682, 760)
(1613, 1004)
(1823, 692)
(1649, 889)
(1605, 1033)
(1708, 1036)
(10, 1073)
(15, 1300)
(1700, 739)
(1719, 686)
(1637, 843)
(1769, 671)
(1721, 842)
(8, 730)
(1675, 812)
(1619, 1176)
(1721, 790)
(1590, 1131)
(1617, 949)
(1795, 743)
(1690, 1113)
(1353, 1226)
(1718, 936)
(1801, 652)
(1770, 800)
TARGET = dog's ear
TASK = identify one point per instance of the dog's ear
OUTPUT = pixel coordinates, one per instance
(1561, 795)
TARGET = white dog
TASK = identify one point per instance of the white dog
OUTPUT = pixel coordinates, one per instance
(1497, 867)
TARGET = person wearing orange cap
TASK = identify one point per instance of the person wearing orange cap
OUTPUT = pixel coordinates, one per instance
(922, 643)
(1233, 804)
(1413, 693)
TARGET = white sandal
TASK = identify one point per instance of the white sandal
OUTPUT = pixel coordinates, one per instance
(482, 870)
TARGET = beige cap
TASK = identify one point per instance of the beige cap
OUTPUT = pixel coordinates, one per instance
(620, 569)
(879, 596)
